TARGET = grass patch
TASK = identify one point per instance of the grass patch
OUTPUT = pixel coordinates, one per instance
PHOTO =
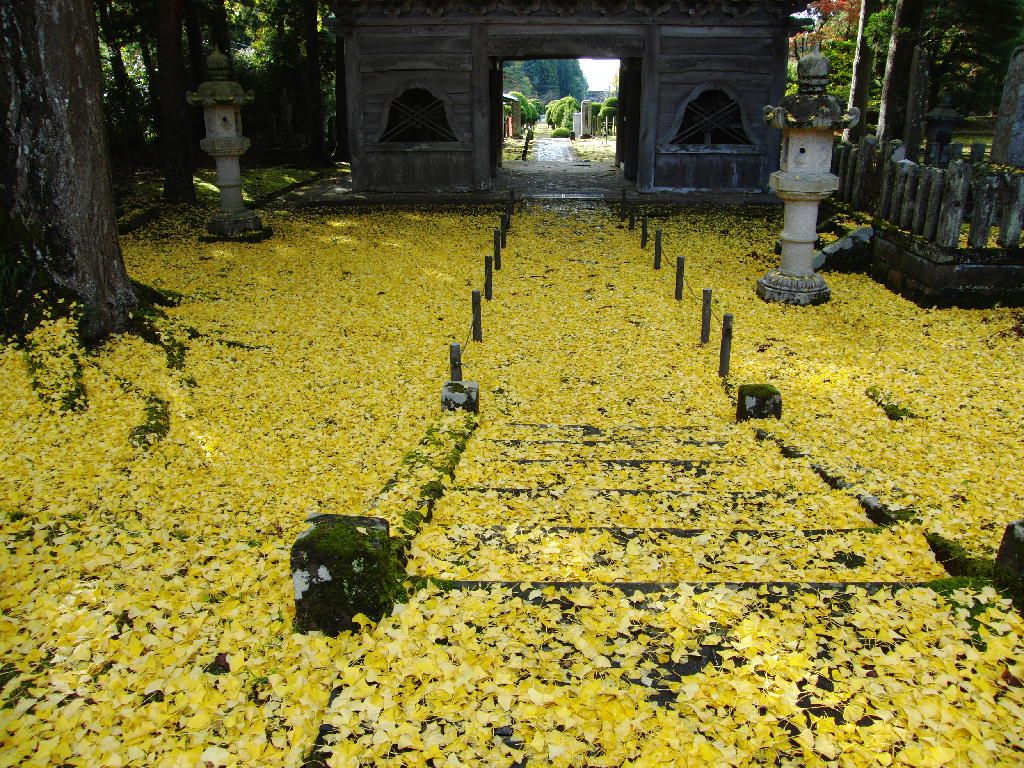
(958, 561)
(893, 410)
(155, 427)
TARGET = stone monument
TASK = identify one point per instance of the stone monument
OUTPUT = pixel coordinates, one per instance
(222, 101)
(939, 126)
(588, 128)
(1008, 143)
(808, 121)
(517, 119)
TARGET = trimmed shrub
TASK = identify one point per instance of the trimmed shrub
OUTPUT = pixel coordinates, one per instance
(561, 133)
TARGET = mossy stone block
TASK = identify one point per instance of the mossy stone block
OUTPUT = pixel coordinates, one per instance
(460, 396)
(343, 566)
(1009, 570)
(758, 401)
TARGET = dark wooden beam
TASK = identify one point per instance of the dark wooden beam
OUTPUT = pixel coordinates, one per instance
(481, 109)
(650, 92)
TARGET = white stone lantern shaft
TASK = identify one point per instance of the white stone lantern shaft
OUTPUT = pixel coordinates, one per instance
(222, 101)
(808, 121)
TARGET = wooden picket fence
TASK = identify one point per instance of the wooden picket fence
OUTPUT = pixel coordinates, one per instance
(932, 202)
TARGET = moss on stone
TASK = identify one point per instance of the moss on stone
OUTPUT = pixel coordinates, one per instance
(347, 569)
(758, 390)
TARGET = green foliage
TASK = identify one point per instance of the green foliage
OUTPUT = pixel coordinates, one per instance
(528, 107)
(610, 108)
(559, 112)
(553, 79)
(561, 133)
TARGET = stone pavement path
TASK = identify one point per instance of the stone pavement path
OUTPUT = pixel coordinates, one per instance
(555, 151)
(645, 592)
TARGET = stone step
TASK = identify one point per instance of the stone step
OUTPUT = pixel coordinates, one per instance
(699, 429)
(652, 474)
(599, 676)
(511, 553)
(645, 508)
(600, 448)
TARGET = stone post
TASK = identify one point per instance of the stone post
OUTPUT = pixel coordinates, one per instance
(808, 120)
(588, 129)
(517, 118)
(222, 101)
(1008, 143)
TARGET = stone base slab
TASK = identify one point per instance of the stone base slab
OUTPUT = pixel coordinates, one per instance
(932, 275)
(234, 223)
(787, 289)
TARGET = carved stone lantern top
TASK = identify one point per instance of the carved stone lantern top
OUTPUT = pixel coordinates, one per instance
(944, 114)
(219, 89)
(811, 106)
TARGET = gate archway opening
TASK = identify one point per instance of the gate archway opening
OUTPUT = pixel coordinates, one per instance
(670, 53)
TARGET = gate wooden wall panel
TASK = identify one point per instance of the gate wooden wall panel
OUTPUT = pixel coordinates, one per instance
(674, 47)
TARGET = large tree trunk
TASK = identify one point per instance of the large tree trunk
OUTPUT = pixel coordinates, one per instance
(194, 36)
(313, 91)
(219, 26)
(175, 130)
(55, 182)
(152, 81)
(906, 29)
(863, 67)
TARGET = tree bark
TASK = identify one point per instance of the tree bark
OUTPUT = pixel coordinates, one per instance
(55, 183)
(175, 129)
(194, 36)
(152, 80)
(917, 104)
(314, 93)
(219, 27)
(906, 31)
(863, 66)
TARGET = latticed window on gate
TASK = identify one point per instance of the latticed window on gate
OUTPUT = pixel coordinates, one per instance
(712, 118)
(417, 115)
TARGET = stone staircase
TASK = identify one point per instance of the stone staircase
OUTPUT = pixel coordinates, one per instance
(647, 596)
(660, 505)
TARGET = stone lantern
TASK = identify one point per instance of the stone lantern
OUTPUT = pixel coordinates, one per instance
(808, 121)
(940, 124)
(222, 100)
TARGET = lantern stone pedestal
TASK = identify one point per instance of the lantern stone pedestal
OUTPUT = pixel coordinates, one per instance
(808, 120)
(222, 101)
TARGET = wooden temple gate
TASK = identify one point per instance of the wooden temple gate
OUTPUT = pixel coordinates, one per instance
(423, 82)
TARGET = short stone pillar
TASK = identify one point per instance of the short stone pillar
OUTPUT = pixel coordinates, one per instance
(343, 566)
(460, 396)
(1009, 570)
(1008, 142)
(758, 401)
(808, 121)
(940, 124)
(222, 101)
